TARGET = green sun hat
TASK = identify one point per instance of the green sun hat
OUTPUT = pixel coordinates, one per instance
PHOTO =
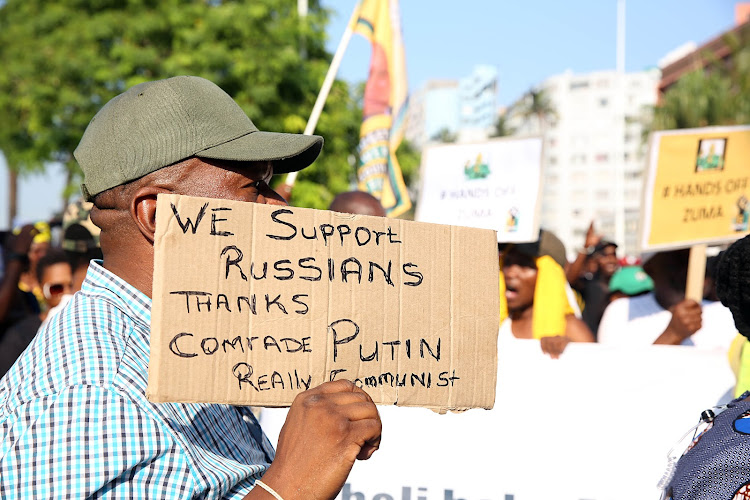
(156, 124)
(631, 280)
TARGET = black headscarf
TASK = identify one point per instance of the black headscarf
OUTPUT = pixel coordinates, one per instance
(733, 283)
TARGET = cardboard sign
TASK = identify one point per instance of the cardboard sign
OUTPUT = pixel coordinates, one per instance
(491, 185)
(256, 303)
(697, 188)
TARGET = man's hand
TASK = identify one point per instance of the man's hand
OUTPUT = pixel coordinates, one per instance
(592, 238)
(686, 320)
(326, 430)
(21, 243)
(554, 346)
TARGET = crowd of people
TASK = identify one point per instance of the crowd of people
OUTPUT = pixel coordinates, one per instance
(74, 329)
(43, 266)
(591, 298)
(595, 299)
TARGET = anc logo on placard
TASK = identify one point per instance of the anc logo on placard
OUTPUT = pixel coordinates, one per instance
(710, 157)
(477, 170)
(740, 222)
(511, 223)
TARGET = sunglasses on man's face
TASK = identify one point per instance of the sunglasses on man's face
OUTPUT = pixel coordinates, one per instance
(53, 289)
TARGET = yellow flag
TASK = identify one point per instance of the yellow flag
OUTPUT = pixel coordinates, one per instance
(385, 100)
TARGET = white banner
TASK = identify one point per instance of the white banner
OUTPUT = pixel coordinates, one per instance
(490, 185)
(596, 424)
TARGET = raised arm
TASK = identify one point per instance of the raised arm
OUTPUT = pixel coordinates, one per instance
(575, 269)
(18, 248)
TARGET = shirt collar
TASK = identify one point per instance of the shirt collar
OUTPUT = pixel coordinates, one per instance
(135, 303)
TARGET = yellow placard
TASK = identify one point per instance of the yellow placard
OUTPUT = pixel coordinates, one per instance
(697, 188)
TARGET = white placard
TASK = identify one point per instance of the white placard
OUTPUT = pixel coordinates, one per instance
(489, 185)
(596, 424)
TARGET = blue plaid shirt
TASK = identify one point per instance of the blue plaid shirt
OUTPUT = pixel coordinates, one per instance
(75, 421)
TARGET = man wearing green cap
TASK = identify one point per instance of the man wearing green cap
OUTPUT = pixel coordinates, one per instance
(74, 419)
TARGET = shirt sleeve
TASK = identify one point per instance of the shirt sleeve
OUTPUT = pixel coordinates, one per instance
(90, 441)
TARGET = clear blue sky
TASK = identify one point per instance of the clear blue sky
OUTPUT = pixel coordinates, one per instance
(526, 40)
(530, 40)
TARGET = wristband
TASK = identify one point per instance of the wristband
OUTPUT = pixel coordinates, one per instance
(17, 256)
(268, 489)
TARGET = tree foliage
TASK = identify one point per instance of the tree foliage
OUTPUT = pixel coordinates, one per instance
(502, 127)
(718, 94)
(409, 158)
(444, 135)
(63, 60)
(536, 103)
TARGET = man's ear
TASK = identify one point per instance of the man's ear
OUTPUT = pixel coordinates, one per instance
(143, 209)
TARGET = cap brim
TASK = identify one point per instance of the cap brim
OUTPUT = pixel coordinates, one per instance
(288, 152)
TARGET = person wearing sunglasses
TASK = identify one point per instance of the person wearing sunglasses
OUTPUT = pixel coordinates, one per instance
(55, 277)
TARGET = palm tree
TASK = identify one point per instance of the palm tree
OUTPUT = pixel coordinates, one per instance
(502, 127)
(537, 103)
(444, 135)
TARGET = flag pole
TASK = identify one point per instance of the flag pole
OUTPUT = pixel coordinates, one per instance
(312, 122)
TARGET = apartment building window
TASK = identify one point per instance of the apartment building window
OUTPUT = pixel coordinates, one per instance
(632, 174)
(578, 159)
(601, 158)
(603, 102)
(579, 233)
(579, 85)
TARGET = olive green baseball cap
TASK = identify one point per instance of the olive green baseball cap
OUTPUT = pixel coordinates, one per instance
(155, 124)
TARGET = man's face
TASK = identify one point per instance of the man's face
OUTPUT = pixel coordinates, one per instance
(37, 251)
(57, 281)
(246, 181)
(607, 260)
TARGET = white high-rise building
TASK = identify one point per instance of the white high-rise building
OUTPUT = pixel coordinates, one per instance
(432, 109)
(465, 109)
(478, 101)
(593, 147)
